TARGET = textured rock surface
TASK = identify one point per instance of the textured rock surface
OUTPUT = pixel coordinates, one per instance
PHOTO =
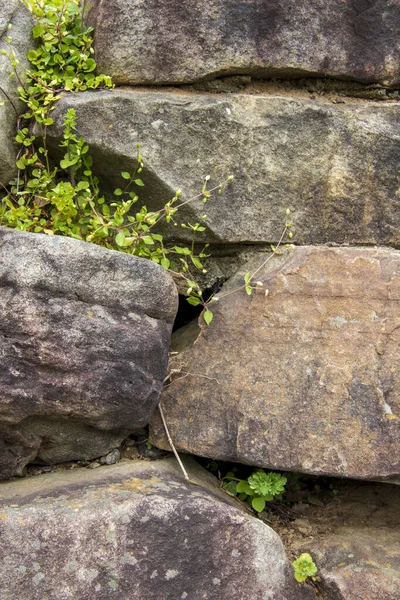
(305, 379)
(354, 540)
(173, 42)
(335, 166)
(136, 531)
(14, 13)
(84, 340)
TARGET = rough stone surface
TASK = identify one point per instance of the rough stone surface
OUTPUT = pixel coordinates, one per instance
(354, 540)
(136, 530)
(14, 13)
(173, 42)
(335, 166)
(305, 379)
(84, 346)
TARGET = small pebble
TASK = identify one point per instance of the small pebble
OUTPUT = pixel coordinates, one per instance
(111, 458)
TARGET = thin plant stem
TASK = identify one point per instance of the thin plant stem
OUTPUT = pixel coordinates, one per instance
(171, 443)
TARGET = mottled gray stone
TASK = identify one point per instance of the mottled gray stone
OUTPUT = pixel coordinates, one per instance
(136, 530)
(14, 13)
(84, 345)
(304, 379)
(170, 41)
(335, 166)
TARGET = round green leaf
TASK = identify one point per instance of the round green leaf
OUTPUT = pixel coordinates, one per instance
(120, 239)
(258, 504)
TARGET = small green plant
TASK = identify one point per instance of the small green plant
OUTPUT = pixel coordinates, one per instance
(304, 567)
(260, 487)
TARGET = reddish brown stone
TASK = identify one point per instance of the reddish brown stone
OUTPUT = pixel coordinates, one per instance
(305, 379)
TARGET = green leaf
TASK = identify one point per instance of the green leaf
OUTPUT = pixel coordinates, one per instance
(230, 487)
(247, 277)
(32, 55)
(194, 301)
(147, 239)
(120, 239)
(37, 31)
(89, 65)
(249, 290)
(125, 174)
(208, 316)
(258, 504)
(243, 487)
(180, 250)
(197, 262)
(82, 185)
(165, 262)
(20, 163)
(118, 192)
(139, 182)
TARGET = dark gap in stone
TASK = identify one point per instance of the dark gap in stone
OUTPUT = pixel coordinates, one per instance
(188, 313)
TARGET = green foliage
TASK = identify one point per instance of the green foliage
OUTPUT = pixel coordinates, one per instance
(260, 487)
(63, 59)
(304, 567)
(64, 197)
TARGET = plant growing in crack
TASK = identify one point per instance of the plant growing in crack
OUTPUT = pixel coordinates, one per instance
(64, 197)
(260, 487)
(304, 567)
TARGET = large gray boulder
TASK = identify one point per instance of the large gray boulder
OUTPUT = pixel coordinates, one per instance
(164, 41)
(304, 379)
(335, 166)
(14, 13)
(84, 347)
(136, 531)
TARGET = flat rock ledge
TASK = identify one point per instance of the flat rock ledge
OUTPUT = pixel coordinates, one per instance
(305, 379)
(335, 166)
(84, 337)
(164, 42)
(136, 530)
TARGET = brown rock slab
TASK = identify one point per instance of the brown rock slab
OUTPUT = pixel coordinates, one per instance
(136, 530)
(167, 41)
(354, 540)
(84, 344)
(305, 379)
(335, 166)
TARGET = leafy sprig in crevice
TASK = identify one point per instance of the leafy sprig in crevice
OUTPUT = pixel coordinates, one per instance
(65, 197)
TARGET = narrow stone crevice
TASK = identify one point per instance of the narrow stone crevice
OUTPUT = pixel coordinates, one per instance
(313, 86)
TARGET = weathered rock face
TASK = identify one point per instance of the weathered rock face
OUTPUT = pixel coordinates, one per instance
(360, 565)
(354, 540)
(84, 341)
(14, 13)
(136, 531)
(305, 379)
(170, 42)
(335, 166)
